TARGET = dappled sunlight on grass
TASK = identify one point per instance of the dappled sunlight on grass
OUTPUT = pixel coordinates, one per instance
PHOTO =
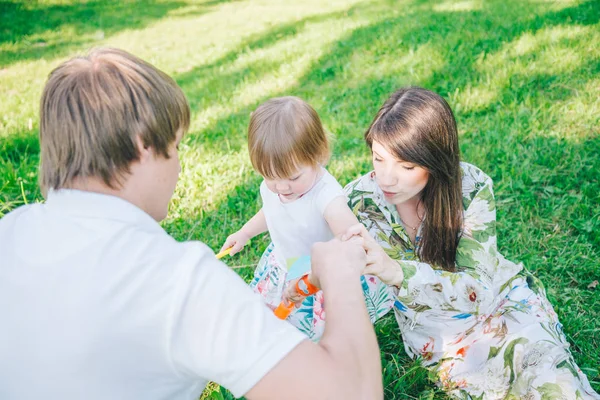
(578, 117)
(555, 5)
(193, 40)
(289, 60)
(552, 51)
(469, 5)
(521, 76)
(207, 178)
(411, 64)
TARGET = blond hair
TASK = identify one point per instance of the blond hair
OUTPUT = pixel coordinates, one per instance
(284, 134)
(92, 110)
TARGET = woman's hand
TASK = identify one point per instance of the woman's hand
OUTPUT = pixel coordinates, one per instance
(236, 241)
(378, 262)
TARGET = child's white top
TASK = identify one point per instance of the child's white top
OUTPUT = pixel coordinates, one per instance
(294, 227)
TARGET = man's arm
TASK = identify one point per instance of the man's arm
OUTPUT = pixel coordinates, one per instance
(345, 364)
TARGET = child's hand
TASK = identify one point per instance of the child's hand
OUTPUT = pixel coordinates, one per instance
(236, 241)
(291, 295)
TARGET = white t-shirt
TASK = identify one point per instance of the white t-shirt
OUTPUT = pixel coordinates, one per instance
(97, 301)
(294, 227)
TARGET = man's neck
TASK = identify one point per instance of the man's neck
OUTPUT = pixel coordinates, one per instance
(124, 191)
(95, 185)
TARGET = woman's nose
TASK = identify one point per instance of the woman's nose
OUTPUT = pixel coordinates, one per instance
(387, 177)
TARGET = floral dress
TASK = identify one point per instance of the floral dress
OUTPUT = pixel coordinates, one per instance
(486, 331)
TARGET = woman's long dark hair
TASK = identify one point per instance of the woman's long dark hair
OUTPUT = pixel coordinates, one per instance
(418, 126)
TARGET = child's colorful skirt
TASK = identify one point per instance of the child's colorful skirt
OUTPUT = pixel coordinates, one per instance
(309, 318)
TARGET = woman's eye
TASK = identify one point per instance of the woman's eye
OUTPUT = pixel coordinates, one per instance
(408, 168)
(377, 159)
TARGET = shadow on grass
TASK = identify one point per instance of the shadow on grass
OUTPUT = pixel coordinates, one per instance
(19, 158)
(541, 182)
(30, 25)
(462, 38)
(487, 32)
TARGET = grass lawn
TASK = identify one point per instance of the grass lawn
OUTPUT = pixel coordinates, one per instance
(522, 76)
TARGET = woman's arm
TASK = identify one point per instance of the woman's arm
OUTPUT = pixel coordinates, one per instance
(467, 290)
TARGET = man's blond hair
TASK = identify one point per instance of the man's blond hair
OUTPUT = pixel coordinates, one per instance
(92, 110)
(284, 134)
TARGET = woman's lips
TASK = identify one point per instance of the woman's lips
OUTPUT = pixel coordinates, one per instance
(388, 194)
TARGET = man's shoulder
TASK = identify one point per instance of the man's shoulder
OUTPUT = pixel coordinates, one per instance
(165, 247)
(14, 215)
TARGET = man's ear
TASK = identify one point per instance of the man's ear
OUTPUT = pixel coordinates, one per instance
(145, 152)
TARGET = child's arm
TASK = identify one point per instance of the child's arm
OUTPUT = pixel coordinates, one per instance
(256, 226)
(339, 217)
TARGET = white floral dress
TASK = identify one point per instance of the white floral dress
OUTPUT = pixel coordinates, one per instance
(486, 331)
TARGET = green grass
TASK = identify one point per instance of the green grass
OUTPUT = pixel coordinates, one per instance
(522, 76)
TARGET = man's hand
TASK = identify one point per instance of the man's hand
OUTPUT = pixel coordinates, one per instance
(345, 364)
(337, 259)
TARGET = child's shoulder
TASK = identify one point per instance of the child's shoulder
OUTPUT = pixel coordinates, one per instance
(327, 182)
(328, 177)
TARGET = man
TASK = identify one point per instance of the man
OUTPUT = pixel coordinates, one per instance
(97, 301)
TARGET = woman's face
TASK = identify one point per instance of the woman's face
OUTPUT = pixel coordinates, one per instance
(399, 180)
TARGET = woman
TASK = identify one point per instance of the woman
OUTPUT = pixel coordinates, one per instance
(481, 323)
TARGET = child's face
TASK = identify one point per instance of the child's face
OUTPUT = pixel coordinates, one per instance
(296, 185)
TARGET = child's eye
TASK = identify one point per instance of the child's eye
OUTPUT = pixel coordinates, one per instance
(377, 159)
(295, 178)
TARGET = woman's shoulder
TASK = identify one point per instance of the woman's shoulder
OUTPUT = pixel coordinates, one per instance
(470, 171)
(365, 184)
(473, 181)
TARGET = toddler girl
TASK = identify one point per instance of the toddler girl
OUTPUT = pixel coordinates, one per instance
(302, 202)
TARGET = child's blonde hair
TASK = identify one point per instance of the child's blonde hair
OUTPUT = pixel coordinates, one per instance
(284, 134)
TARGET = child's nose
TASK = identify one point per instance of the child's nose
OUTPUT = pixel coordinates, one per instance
(282, 187)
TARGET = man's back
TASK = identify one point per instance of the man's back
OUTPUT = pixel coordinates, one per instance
(97, 301)
(81, 302)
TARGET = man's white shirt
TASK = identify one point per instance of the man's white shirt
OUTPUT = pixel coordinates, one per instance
(97, 301)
